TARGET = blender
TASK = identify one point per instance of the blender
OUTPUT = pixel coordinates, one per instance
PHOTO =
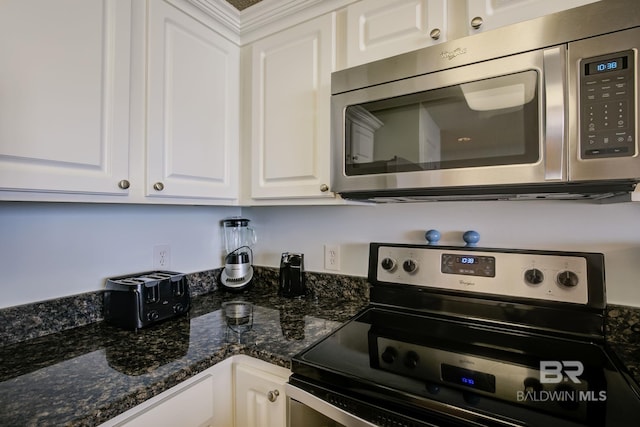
(238, 240)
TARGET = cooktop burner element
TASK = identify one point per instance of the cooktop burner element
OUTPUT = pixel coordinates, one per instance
(475, 336)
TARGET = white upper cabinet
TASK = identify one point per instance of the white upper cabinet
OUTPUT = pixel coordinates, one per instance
(64, 95)
(290, 95)
(102, 99)
(377, 29)
(192, 108)
(484, 15)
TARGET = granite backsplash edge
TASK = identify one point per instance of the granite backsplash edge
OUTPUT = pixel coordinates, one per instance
(28, 321)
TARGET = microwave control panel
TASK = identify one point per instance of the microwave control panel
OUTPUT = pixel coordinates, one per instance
(607, 113)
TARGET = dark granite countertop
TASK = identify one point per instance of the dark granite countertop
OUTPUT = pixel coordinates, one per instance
(87, 375)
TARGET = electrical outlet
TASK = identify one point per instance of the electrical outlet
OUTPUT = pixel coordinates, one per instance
(162, 257)
(332, 257)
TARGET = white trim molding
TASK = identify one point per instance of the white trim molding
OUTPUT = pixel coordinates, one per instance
(264, 18)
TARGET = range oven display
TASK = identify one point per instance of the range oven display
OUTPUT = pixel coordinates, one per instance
(469, 265)
(468, 378)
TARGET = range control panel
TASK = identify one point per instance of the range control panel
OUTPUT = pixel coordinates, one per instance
(607, 116)
(552, 277)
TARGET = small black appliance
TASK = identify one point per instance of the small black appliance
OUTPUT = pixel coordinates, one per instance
(139, 300)
(292, 277)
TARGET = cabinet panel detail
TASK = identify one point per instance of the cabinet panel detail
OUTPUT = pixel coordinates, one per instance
(290, 110)
(377, 29)
(192, 107)
(64, 109)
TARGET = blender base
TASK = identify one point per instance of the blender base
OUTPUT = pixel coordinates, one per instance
(236, 283)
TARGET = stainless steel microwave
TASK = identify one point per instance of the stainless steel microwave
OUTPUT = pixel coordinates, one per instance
(547, 108)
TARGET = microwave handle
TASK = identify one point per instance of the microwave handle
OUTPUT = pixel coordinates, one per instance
(554, 62)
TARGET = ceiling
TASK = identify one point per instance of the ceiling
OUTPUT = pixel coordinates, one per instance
(242, 4)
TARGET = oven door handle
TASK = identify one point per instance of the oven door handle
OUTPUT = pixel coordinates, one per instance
(325, 408)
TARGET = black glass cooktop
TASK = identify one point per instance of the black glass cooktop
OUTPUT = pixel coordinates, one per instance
(423, 365)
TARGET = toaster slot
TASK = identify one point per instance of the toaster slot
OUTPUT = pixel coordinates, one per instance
(152, 293)
(179, 287)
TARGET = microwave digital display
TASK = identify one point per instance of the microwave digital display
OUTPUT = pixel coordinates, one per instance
(613, 64)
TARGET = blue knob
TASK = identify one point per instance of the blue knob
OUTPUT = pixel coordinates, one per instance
(472, 238)
(432, 236)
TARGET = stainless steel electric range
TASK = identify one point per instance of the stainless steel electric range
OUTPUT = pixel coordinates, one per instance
(467, 336)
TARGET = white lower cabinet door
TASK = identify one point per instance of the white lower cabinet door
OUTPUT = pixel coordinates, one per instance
(260, 399)
(201, 401)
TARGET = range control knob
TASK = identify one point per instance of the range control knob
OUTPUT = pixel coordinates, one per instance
(410, 266)
(567, 278)
(533, 276)
(153, 315)
(389, 355)
(388, 264)
(411, 359)
(178, 308)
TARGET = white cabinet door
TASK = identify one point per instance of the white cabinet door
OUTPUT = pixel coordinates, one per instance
(499, 13)
(291, 79)
(378, 29)
(203, 400)
(260, 399)
(64, 95)
(193, 108)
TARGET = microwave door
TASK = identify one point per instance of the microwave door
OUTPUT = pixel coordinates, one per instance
(482, 124)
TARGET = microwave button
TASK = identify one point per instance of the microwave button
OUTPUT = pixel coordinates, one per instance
(595, 152)
(618, 150)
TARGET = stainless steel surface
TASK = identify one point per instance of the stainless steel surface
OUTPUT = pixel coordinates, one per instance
(555, 131)
(491, 175)
(124, 184)
(581, 169)
(596, 18)
(298, 402)
(436, 268)
(554, 46)
(158, 186)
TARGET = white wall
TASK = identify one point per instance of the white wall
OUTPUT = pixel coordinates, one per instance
(559, 225)
(49, 250)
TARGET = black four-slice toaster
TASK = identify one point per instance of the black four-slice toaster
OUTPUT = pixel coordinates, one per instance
(139, 300)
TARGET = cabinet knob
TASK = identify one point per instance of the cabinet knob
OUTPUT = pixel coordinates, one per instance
(324, 188)
(124, 184)
(273, 395)
(476, 22)
(435, 33)
(158, 186)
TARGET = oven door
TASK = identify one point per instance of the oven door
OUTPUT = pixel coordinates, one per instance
(491, 123)
(305, 409)
(314, 405)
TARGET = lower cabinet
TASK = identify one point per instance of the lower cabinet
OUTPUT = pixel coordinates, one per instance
(260, 399)
(239, 391)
